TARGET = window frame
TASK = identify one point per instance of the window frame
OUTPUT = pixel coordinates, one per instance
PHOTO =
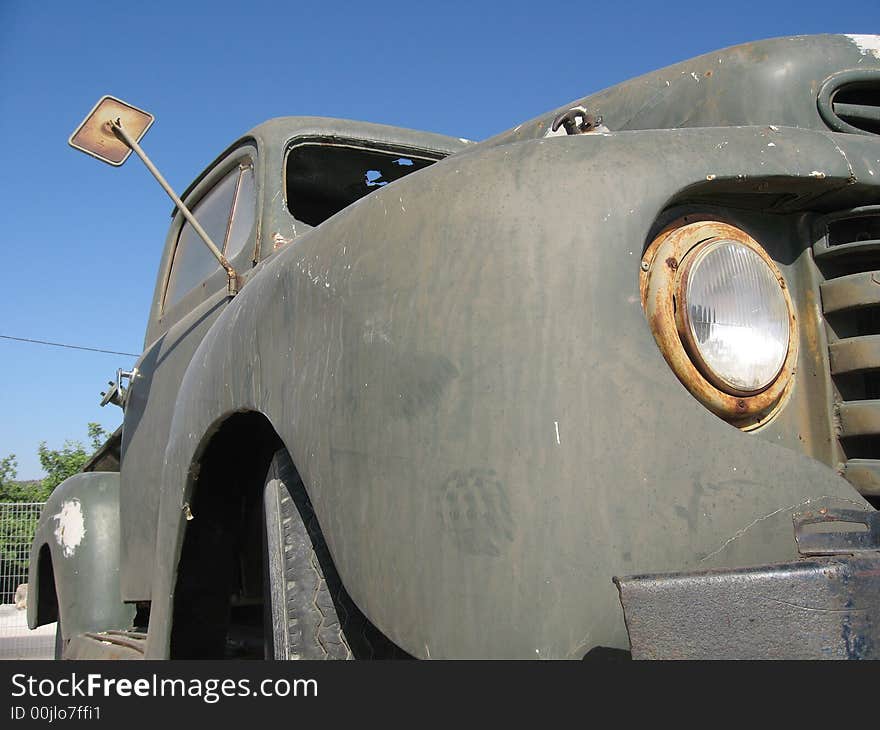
(382, 147)
(242, 157)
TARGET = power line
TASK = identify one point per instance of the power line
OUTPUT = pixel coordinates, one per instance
(69, 347)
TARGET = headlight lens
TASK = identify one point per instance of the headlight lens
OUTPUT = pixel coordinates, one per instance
(736, 316)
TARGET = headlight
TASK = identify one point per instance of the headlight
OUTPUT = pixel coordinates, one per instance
(721, 314)
(735, 317)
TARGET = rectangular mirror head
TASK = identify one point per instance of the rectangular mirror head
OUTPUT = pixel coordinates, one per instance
(95, 137)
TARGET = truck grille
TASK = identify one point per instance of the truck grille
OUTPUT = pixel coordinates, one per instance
(858, 105)
(848, 259)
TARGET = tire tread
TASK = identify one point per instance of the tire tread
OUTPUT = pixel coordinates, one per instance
(321, 620)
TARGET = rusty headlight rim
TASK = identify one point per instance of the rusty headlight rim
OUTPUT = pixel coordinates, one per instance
(665, 266)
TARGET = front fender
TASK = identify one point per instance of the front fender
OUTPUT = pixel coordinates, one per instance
(461, 369)
(77, 542)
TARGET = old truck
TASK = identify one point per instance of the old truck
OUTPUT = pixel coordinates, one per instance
(608, 381)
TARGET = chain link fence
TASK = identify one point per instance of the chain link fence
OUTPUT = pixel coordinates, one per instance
(18, 521)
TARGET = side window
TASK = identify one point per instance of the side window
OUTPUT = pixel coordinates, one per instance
(323, 178)
(227, 212)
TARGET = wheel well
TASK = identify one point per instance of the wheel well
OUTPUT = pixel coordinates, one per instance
(220, 569)
(47, 598)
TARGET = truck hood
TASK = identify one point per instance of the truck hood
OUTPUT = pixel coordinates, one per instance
(776, 81)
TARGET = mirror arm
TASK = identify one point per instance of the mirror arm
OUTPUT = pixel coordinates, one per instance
(232, 277)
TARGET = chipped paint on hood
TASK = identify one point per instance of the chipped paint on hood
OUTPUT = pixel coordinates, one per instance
(867, 44)
(71, 527)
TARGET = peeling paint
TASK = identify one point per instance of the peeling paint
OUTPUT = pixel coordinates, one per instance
(560, 132)
(278, 241)
(849, 167)
(867, 44)
(71, 527)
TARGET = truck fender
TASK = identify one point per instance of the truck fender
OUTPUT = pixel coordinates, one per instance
(73, 574)
(373, 357)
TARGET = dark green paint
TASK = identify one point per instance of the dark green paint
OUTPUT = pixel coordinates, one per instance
(469, 387)
(85, 563)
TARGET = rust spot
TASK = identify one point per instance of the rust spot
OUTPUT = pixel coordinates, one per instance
(707, 74)
(658, 287)
(810, 333)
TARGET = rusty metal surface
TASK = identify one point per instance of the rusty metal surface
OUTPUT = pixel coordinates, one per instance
(844, 540)
(576, 120)
(851, 292)
(846, 243)
(810, 609)
(864, 475)
(855, 354)
(858, 418)
(108, 645)
(95, 135)
(664, 268)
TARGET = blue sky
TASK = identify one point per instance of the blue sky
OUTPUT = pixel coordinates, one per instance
(81, 240)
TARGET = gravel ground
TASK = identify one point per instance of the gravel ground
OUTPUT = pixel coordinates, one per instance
(17, 641)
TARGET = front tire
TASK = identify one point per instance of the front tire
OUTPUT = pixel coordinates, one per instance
(309, 614)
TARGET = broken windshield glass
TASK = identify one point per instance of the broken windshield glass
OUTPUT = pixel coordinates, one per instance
(323, 178)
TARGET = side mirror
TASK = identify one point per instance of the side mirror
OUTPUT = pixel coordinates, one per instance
(95, 135)
(110, 133)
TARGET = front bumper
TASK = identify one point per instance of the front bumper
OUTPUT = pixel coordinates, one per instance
(825, 606)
